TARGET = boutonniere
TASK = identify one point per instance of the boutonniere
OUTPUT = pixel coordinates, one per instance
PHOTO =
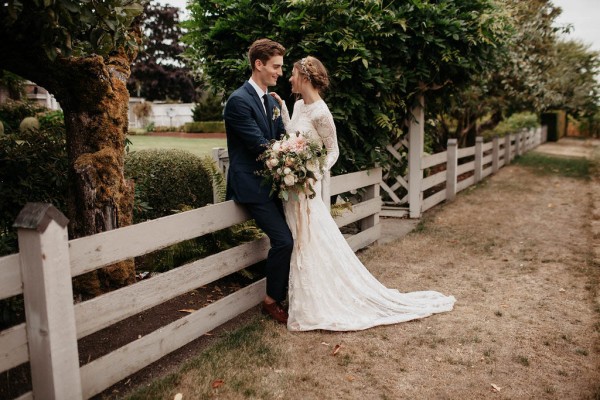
(276, 113)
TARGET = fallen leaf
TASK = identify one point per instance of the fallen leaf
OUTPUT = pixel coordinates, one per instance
(561, 290)
(178, 396)
(350, 378)
(217, 383)
(187, 310)
(496, 388)
(336, 349)
(325, 343)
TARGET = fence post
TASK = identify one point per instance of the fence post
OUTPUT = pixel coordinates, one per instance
(221, 158)
(48, 295)
(507, 141)
(478, 158)
(451, 169)
(495, 154)
(544, 134)
(517, 144)
(371, 192)
(326, 189)
(416, 134)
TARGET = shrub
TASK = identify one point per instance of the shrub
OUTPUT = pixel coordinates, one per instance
(136, 131)
(209, 109)
(33, 167)
(13, 112)
(514, 124)
(168, 181)
(204, 127)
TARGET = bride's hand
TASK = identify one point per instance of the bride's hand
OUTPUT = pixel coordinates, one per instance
(276, 97)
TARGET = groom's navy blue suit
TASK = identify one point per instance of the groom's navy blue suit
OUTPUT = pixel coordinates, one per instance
(248, 130)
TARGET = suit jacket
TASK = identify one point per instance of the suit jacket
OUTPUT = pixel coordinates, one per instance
(248, 130)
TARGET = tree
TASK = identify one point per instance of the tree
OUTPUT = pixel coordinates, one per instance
(380, 54)
(158, 73)
(81, 51)
(536, 73)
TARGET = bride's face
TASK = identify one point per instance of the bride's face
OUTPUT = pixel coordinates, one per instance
(296, 81)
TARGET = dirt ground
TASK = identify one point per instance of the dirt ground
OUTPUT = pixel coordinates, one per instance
(520, 254)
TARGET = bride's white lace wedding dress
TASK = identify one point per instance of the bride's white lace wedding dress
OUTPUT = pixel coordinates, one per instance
(329, 288)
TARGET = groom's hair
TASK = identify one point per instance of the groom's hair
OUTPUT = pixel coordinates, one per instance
(263, 50)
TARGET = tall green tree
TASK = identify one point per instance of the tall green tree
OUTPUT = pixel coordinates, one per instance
(537, 73)
(159, 72)
(81, 52)
(381, 55)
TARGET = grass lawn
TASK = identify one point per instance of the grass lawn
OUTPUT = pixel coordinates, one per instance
(200, 147)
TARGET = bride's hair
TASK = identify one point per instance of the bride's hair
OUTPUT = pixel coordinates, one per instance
(314, 71)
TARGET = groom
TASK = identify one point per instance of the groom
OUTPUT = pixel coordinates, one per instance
(251, 121)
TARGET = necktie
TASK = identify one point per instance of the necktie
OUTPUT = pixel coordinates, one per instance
(266, 103)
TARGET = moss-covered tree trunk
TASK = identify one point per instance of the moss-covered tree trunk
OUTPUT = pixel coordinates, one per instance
(94, 98)
(100, 199)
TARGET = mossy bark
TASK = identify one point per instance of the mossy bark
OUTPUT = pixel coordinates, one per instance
(94, 98)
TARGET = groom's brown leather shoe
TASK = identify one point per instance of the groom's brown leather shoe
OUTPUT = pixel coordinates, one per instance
(275, 311)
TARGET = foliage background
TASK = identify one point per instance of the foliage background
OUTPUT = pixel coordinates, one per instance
(380, 55)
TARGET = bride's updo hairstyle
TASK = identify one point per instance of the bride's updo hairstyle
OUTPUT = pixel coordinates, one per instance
(314, 71)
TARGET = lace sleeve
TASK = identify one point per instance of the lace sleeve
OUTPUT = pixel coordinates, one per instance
(285, 115)
(326, 130)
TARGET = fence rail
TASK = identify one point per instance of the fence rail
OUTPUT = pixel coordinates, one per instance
(47, 261)
(487, 159)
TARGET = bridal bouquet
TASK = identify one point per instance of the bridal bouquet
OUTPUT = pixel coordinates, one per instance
(292, 165)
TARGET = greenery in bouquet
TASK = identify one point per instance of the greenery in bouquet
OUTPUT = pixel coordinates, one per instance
(293, 165)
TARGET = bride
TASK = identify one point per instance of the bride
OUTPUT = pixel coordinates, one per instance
(329, 288)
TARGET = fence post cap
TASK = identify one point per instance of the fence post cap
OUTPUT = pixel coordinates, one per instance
(479, 139)
(452, 141)
(37, 216)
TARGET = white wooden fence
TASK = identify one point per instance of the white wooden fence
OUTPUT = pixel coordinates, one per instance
(47, 261)
(483, 159)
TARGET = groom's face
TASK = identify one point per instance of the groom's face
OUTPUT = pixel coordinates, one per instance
(270, 71)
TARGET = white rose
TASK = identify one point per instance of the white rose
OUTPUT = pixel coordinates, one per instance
(276, 147)
(289, 180)
(287, 171)
(274, 162)
(279, 171)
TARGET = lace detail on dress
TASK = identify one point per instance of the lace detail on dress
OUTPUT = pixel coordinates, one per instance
(316, 121)
(329, 288)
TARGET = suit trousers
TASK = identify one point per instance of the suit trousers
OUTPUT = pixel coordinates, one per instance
(270, 218)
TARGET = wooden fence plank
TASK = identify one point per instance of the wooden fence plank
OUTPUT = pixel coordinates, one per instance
(487, 172)
(434, 159)
(465, 183)
(466, 152)
(488, 146)
(10, 276)
(466, 167)
(434, 199)
(416, 142)
(354, 180)
(486, 159)
(105, 310)
(106, 371)
(92, 252)
(433, 180)
(359, 211)
(364, 238)
(13, 347)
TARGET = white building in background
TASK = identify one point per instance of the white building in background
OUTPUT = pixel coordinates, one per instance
(161, 114)
(34, 93)
(41, 96)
